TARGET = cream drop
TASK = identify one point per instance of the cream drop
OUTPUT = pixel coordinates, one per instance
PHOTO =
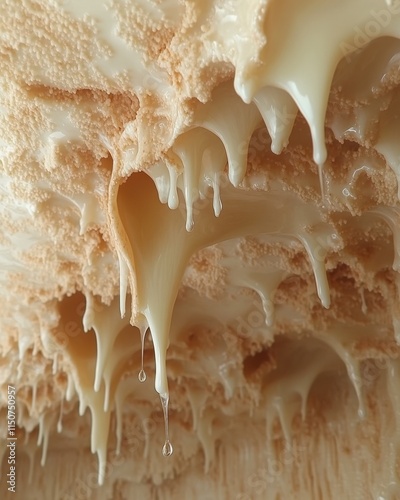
(167, 449)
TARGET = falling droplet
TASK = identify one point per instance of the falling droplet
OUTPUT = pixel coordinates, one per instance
(142, 374)
(167, 448)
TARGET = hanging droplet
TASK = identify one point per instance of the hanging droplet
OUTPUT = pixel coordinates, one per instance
(167, 449)
(142, 374)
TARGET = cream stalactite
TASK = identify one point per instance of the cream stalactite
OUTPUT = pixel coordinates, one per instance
(159, 263)
(300, 58)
